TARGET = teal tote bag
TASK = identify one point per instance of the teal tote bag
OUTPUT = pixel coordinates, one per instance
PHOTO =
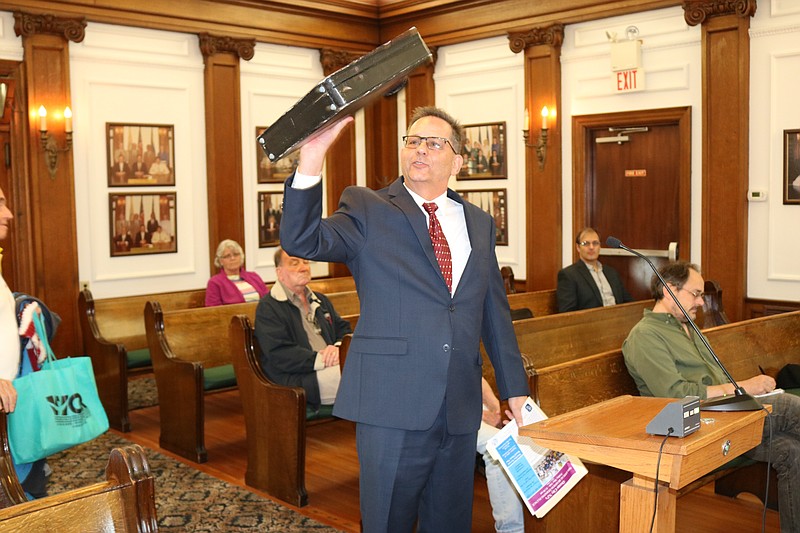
(57, 407)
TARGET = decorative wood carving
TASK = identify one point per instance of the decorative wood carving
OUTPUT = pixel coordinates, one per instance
(332, 60)
(27, 24)
(698, 11)
(213, 44)
(551, 35)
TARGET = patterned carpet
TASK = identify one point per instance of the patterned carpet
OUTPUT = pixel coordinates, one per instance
(142, 393)
(186, 499)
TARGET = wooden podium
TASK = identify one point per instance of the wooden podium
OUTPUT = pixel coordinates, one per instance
(613, 433)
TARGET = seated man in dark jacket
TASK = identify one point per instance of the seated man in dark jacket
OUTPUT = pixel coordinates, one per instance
(587, 283)
(299, 333)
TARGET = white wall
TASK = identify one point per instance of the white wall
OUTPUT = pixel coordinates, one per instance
(483, 81)
(10, 44)
(122, 74)
(672, 64)
(131, 75)
(271, 83)
(773, 254)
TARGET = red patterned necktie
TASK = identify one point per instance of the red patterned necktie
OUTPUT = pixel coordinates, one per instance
(440, 246)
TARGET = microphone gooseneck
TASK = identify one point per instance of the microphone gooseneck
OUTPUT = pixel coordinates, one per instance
(741, 400)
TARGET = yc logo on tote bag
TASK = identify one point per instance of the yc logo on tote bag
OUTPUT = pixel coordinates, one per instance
(66, 406)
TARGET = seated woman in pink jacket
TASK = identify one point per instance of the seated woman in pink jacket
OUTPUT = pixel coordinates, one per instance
(233, 284)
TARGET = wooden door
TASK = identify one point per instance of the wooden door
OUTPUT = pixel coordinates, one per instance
(634, 186)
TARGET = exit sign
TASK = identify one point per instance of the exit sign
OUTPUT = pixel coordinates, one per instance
(628, 81)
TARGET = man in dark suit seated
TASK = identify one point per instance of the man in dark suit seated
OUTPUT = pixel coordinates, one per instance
(299, 333)
(587, 283)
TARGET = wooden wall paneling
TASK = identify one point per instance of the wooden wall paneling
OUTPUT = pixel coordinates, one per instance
(421, 89)
(726, 125)
(353, 25)
(224, 137)
(380, 125)
(442, 23)
(340, 162)
(51, 199)
(292, 23)
(542, 47)
(16, 251)
(758, 307)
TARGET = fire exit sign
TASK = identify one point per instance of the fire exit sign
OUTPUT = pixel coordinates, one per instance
(628, 81)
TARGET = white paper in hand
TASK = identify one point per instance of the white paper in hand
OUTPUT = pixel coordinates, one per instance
(541, 476)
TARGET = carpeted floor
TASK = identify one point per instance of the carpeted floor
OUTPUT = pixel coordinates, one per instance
(186, 499)
(142, 392)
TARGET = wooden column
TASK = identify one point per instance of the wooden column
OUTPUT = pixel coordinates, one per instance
(48, 210)
(224, 137)
(340, 163)
(420, 90)
(542, 47)
(380, 123)
(726, 126)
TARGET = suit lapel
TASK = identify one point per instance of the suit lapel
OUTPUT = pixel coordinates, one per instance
(399, 196)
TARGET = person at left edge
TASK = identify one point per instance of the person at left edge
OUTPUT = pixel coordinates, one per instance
(32, 476)
(412, 381)
(233, 284)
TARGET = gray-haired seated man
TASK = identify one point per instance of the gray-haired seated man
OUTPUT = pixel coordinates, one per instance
(299, 333)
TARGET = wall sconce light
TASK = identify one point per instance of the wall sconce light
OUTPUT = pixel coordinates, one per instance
(541, 144)
(49, 145)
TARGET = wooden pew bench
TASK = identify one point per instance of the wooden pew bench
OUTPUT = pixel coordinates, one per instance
(331, 285)
(124, 502)
(346, 303)
(114, 337)
(540, 303)
(742, 346)
(551, 339)
(191, 357)
(275, 420)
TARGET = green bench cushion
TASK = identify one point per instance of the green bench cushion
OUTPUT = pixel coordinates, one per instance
(139, 358)
(218, 377)
(325, 411)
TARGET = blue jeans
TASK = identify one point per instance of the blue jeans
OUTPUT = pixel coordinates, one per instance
(785, 456)
(506, 506)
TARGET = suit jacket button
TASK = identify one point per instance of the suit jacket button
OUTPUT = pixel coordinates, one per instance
(446, 348)
(452, 308)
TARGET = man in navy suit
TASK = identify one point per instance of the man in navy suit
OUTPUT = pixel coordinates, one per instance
(587, 283)
(412, 380)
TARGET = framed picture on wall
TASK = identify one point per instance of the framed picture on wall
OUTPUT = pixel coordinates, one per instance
(484, 152)
(140, 154)
(791, 167)
(142, 224)
(493, 201)
(278, 171)
(270, 210)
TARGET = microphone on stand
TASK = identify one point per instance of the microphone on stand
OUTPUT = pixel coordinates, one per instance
(741, 400)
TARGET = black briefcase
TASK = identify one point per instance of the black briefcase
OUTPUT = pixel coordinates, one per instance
(345, 91)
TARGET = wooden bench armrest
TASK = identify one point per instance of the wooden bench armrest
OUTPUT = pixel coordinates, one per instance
(275, 419)
(180, 391)
(124, 502)
(109, 363)
(11, 492)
